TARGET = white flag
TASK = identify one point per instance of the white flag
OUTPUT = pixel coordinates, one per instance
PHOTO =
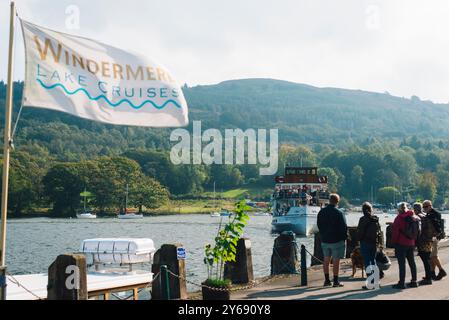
(95, 81)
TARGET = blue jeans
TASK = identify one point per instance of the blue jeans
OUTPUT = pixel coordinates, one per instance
(403, 253)
(369, 253)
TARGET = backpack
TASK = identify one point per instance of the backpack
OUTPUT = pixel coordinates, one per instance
(371, 232)
(412, 228)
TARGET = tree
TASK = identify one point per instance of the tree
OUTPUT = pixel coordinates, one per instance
(63, 184)
(427, 186)
(148, 193)
(356, 180)
(388, 195)
(334, 180)
(108, 179)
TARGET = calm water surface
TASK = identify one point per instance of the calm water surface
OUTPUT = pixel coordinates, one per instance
(33, 244)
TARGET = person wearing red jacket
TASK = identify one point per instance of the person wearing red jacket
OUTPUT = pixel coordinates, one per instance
(404, 247)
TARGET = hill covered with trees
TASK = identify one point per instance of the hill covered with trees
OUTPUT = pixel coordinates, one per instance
(371, 145)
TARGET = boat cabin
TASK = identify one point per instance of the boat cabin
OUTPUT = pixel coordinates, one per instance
(300, 187)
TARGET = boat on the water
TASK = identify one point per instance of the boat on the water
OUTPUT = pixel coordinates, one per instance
(87, 212)
(262, 214)
(129, 216)
(222, 213)
(298, 197)
(86, 215)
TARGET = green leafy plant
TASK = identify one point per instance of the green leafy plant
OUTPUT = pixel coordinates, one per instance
(225, 247)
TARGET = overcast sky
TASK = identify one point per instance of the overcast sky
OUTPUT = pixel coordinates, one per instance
(391, 45)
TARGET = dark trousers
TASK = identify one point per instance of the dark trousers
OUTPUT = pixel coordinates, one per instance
(369, 253)
(403, 253)
(425, 257)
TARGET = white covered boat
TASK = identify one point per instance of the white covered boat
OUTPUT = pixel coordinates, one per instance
(129, 216)
(297, 199)
(86, 215)
(117, 250)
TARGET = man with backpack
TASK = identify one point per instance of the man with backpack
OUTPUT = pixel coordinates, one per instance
(406, 230)
(438, 223)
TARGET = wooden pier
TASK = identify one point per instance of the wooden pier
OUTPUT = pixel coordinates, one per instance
(98, 285)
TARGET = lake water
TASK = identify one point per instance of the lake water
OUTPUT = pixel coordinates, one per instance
(33, 244)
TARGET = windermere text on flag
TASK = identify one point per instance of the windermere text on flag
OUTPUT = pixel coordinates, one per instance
(96, 81)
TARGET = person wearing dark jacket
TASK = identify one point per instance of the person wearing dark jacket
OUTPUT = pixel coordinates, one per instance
(370, 235)
(424, 242)
(333, 232)
(438, 222)
(404, 246)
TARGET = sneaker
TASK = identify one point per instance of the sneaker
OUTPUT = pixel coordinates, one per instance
(425, 282)
(440, 275)
(433, 276)
(399, 286)
(412, 284)
(338, 285)
(327, 283)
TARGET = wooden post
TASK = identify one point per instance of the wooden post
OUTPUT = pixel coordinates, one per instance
(241, 271)
(284, 259)
(389, 235)
(2, 283)
(168, 255)
(317, 251)
(303, 266)
(352, 241)
(67, 278)
(7, 137)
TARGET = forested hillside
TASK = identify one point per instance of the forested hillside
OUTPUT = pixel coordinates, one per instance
(370, 144)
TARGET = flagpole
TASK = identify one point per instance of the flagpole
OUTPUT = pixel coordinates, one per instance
(7, 141)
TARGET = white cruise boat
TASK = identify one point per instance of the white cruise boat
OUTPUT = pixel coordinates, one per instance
(297, 199)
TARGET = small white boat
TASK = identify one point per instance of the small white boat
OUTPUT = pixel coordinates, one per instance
(86, 215)
(130, 216)
(262, 214)
(223, 213)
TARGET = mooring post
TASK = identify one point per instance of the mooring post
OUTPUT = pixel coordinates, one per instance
(2, 283)
(317, 251)
(303, 266)
(284, 259)
(241, 271)
(389, 235)
(352, 241)
(67, 278)
(173, 257)
(165, 283)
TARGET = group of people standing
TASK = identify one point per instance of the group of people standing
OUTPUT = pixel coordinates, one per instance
(421, 228)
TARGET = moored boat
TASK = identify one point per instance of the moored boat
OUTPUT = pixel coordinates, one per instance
(298, 197)
(86, 215)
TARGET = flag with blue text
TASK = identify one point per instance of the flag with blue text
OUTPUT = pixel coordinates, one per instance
(96, 81)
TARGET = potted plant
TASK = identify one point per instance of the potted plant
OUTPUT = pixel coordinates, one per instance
(223, 251)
